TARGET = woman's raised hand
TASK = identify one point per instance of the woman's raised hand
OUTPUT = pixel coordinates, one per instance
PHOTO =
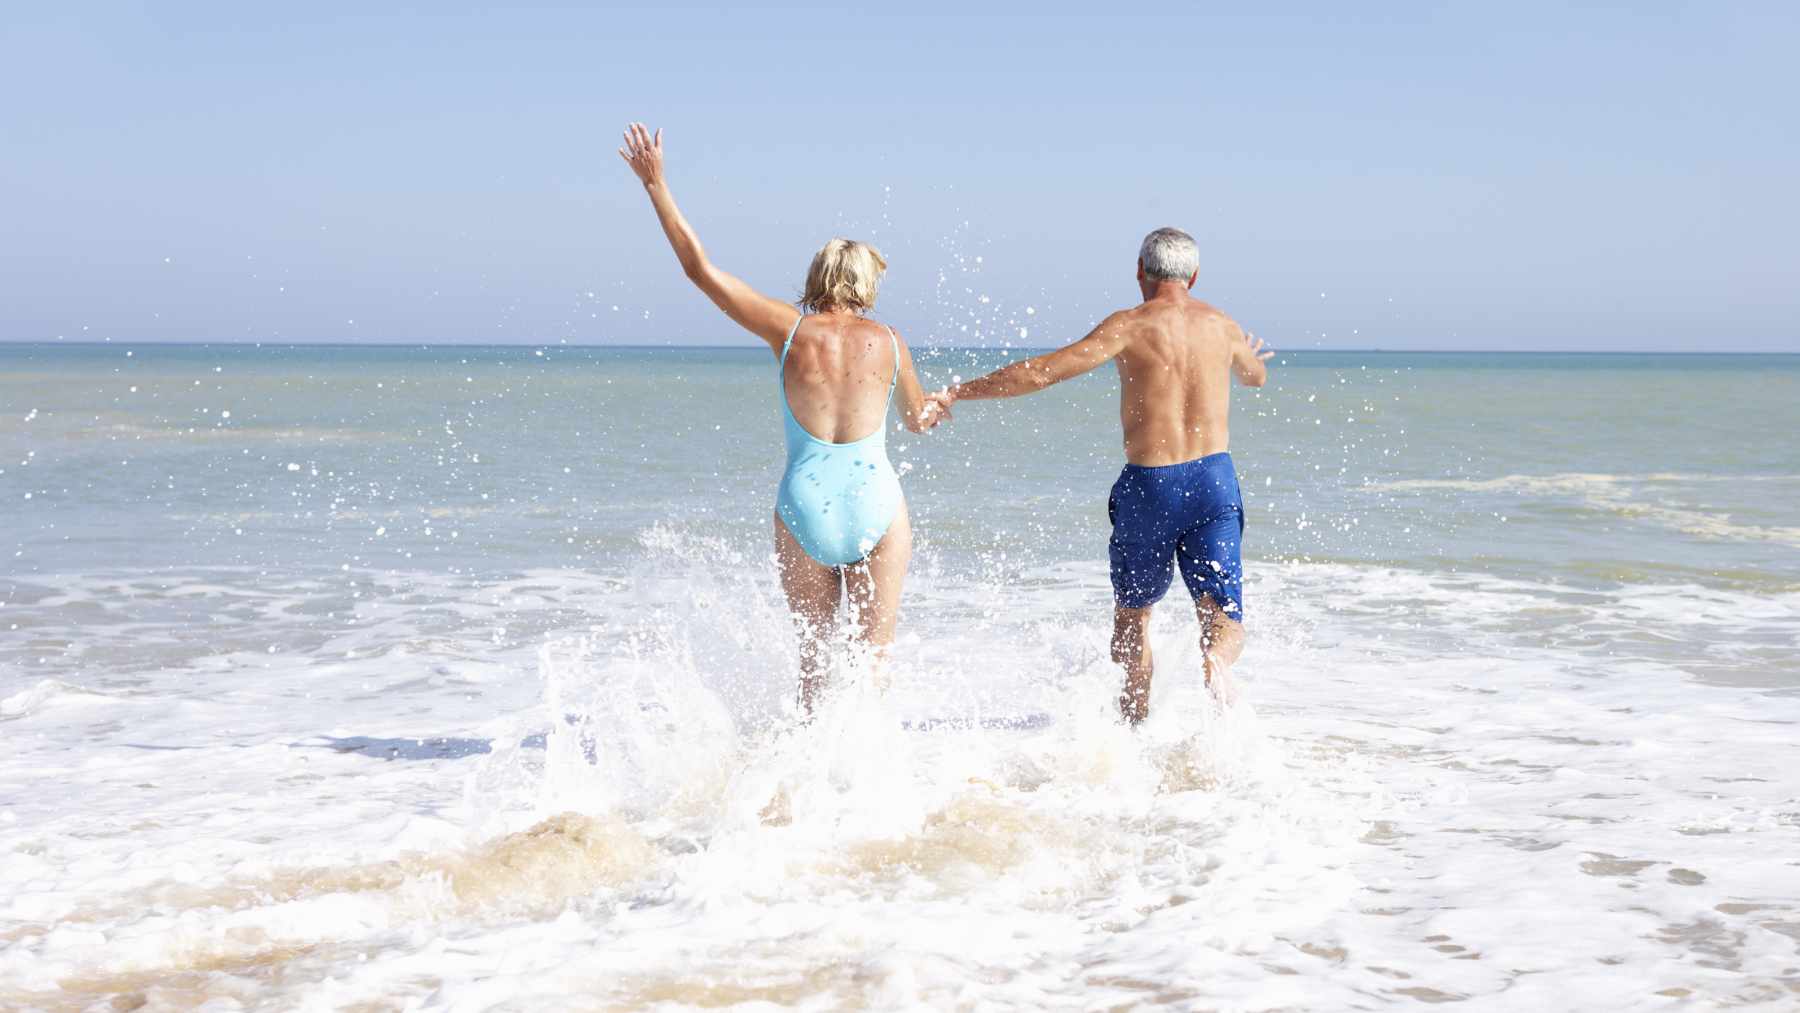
(643, 152)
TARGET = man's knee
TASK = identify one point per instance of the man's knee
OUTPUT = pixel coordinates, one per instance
(1211, 612)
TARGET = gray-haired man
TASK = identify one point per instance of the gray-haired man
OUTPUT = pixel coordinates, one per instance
(1177, 501)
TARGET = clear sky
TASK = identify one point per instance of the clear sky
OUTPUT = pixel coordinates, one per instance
(1495, 175)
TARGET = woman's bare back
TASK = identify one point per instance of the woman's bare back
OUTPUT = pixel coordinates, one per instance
(838, 374)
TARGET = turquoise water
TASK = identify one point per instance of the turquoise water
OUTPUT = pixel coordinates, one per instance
(1630, 467)
(1584, 473)
(320, 663)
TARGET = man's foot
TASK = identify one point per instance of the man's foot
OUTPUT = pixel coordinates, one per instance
(1134, 704)
(1218, 679)
(779, 812)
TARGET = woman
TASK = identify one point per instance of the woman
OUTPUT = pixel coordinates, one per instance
(841, 528)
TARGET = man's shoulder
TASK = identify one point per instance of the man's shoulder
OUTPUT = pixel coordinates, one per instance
(1157, 314)
(1201, 308)
(1127, 315)
(1205, 314)
(1128, 321)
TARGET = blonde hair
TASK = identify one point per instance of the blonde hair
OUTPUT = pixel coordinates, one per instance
(845, 275)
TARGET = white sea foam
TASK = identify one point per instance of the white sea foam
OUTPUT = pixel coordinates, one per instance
(1527, 800)
(44, 693)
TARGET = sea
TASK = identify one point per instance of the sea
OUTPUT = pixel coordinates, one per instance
(449, 677)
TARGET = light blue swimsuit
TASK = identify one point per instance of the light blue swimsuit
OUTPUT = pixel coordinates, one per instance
(837, 498)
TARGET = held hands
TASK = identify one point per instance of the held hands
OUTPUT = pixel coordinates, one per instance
(937, 408)
(933, 409)
(643, 153)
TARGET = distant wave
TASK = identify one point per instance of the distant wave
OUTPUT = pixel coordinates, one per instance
(1566, 481)
(466, 511)
(210, 429)
(1619, 495)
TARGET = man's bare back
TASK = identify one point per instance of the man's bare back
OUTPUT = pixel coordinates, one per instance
(1177, 502)
(1175, 370)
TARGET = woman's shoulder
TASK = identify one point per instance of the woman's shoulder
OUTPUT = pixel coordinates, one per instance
(827, 328)
(870, 327)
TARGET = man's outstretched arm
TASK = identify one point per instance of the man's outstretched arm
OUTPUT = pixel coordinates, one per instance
(1028, 376)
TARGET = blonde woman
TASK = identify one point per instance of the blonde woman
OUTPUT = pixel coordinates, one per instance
(841, 529)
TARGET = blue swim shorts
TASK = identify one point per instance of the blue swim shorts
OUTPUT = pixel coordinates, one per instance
(1190, 513)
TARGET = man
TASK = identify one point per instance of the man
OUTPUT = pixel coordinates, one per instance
(1177, 501)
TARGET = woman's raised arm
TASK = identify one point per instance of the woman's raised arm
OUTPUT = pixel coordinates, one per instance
(768, 318)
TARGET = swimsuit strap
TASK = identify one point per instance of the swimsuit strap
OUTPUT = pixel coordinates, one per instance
(789, 343)
(895, 339)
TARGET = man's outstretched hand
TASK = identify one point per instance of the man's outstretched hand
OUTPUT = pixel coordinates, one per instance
(643, 152)
(1262, 353)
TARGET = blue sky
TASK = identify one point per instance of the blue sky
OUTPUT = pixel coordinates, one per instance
(1413, 176)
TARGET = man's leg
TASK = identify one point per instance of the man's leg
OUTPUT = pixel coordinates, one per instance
(1141, 556)
(1131, 648)
(812, 590)
(1221, 643)
(1212, 567)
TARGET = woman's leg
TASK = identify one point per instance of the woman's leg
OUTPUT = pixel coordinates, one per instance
(873, 585)
(812, 590)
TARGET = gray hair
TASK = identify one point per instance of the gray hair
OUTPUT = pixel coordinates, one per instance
(1169, 255)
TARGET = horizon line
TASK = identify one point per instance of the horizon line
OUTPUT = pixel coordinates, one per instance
(102, 342)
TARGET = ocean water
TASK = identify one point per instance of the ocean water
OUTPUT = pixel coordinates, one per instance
(457, 678)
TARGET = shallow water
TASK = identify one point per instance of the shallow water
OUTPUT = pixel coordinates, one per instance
(458, 678)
